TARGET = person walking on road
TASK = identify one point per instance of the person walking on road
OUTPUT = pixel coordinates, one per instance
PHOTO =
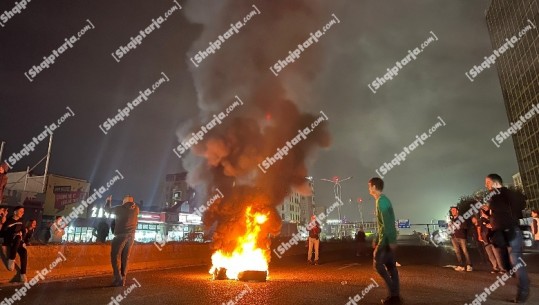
(386, 242)
(13, 231)
(506, 209)
(314, 240)
(459, 239)
(124, 236)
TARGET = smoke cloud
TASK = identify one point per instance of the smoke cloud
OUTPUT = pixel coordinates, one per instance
(271, 115)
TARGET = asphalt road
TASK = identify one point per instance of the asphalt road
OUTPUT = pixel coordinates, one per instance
(424, 280)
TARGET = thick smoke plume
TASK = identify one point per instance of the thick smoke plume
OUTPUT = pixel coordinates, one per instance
(227, 158)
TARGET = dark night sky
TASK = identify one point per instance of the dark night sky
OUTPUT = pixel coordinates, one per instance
(367, 129)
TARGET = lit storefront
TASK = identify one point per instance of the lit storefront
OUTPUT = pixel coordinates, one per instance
(151, 227)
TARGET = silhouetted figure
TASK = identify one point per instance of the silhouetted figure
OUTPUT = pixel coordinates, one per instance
(101, 231)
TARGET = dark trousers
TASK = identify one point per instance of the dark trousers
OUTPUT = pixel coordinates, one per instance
(511, 257)
(385, 265)
(16, 247)
(120, 249)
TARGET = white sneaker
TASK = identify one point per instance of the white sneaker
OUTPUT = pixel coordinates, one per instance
(459, 268)
(11, 264)
(23, 278)
(469, 268)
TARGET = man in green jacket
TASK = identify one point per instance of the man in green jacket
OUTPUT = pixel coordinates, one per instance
(386, 242)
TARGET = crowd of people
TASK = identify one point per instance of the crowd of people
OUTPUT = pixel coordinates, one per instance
(494, 225)
(16, 235)
(496, 229)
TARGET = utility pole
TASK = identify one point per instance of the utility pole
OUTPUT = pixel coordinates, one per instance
(47, 165)
(360, 204)
(1, 150)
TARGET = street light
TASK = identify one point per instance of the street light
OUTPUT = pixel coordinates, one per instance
(337, 191)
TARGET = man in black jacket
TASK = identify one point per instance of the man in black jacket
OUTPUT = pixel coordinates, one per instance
(13, 231)
(506, 209)
(124, 236)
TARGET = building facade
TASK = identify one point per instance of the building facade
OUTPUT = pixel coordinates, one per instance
(516, 22)
(517, 181)
(177, 191)
(290, 209)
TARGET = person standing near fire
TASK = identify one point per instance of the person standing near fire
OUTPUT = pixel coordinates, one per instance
(314, 240)
(124, 236)
(386, 242)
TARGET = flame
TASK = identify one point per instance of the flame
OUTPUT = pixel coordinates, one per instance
(247, 255)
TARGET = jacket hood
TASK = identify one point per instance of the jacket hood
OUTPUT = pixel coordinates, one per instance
(130, 205)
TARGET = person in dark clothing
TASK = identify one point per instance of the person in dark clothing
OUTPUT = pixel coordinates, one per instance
(314, 240)
(29, 231)
(102, 231)
(361, 242)
(506, 209)
(112, 225)
(3, 179)
(124, 236)
(13, 231)
(459, 239)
